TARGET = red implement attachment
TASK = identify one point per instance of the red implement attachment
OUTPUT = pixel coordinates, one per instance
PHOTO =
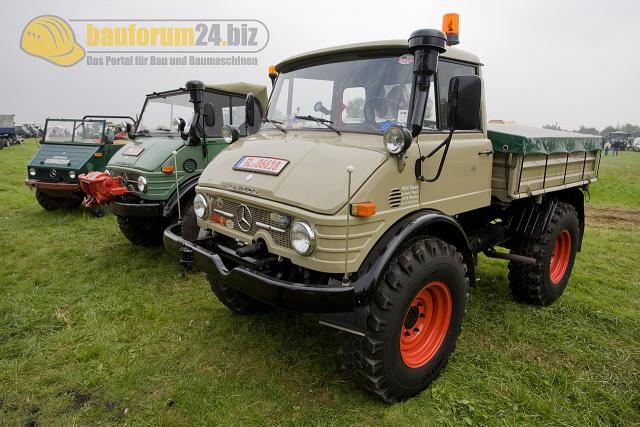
(101, 188)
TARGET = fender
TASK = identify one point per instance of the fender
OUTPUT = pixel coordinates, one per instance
(186, 188)
(429, 222)
(575, 197)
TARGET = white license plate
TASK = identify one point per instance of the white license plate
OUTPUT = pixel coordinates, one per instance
(133, 151)
(268, 165)
(57, 161)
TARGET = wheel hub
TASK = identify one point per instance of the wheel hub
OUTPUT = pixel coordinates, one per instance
(425, 325)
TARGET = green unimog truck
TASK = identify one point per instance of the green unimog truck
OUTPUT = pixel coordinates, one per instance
(69, 148)
(368, 194)
(150, 183)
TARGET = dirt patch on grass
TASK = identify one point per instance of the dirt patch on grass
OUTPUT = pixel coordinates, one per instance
(613, 217)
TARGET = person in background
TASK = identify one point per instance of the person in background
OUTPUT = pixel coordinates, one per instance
(607, 147)
(616, 148)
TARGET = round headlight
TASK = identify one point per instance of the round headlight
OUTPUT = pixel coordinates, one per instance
(200, 206)
(142, 184)
(32, 172)
(396, 138)
(303, 238)
(72, 174)
(230, 134)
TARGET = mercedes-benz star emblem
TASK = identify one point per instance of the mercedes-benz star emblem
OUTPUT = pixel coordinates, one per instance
(245, 219)
(53, 173)
(249, 177)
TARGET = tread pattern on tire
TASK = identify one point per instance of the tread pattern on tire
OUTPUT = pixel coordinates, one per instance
(189, 228)
(50, 203)
(235, 300)
(138, 234)
(361, 357)
(527, 280)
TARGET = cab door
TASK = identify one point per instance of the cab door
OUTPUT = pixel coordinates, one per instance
(465, 181)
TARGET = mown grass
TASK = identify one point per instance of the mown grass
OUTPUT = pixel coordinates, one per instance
(96, 331)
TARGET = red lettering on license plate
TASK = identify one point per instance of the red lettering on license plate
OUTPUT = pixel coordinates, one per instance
(268, 165)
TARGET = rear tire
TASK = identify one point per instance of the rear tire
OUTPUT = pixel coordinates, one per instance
(148, 233)
(424, 286)
(51, 203)
(235, 300)
(555, 252)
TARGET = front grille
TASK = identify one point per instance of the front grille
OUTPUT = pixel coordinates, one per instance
(258, 215)
(130, 179)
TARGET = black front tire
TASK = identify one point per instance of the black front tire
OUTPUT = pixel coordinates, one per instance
(147, 233)
(235, 300)
(376, 361)
(51, 203)
(532, 283)
(189, 227)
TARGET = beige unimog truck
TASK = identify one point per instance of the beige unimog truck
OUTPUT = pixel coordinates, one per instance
(367, 195)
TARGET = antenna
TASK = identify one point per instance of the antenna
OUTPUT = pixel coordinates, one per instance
(175, 170)
(346, 281)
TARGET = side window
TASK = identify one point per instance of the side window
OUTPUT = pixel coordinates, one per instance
(430, 121)
(447, 70)
(281, 111)
(353, 99)
(235, 115)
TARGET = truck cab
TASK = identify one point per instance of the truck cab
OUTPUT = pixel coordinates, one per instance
(69, 148)
(150, 183)
(367, 195)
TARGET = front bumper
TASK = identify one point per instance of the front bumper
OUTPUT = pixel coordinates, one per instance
(206, 255)
(53, 186)
(136, 210)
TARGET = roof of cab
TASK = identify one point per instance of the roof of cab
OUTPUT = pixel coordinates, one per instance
(259, 91)
(372, 46)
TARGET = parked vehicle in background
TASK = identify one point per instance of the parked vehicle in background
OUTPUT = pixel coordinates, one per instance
(619, 140)
(367, 197)
(635, 146)
(69, 148)
(150, 183)
(8, 130)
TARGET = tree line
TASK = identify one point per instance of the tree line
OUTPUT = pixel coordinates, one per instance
(629, 128)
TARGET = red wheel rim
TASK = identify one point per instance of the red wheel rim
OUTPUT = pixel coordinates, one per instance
(560, 257)
(425, 325)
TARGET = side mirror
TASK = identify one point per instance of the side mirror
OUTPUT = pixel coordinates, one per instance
(250, 110)
(180, 124)
(209, 115)
(129, 131)
(464, 103)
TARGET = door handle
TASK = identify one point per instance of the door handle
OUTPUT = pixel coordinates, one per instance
(486, 152)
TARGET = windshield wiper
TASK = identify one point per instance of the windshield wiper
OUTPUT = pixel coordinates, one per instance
(275, 123)
(327, 123)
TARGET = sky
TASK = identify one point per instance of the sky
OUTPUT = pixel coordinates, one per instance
(569, 62)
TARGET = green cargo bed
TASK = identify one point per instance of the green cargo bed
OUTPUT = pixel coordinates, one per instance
(530, 161)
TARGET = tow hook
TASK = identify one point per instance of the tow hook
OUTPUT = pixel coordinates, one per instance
(186, 256)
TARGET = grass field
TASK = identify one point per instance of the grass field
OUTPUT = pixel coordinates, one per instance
(96, 331)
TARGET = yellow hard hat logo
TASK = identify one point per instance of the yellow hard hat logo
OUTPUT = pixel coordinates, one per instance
(51, 38)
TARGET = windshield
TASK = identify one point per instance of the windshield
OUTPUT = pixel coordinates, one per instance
(161, 112)
(364, 95)
(75, 131)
